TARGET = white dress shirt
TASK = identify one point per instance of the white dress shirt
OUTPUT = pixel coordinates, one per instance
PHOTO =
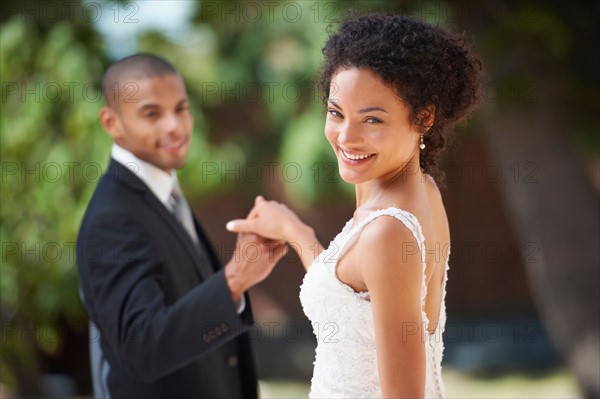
(158, 181)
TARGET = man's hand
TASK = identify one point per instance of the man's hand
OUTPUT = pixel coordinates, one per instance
(253, 260)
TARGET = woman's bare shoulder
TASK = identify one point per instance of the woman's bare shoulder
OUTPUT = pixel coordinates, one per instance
(394, 258)
(382, 237)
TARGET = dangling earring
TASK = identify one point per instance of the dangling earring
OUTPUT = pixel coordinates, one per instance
(422, 145)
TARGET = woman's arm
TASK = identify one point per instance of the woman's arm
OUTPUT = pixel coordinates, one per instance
(393, 273)
(275, 221)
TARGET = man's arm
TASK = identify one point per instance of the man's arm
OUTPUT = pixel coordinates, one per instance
(124, 272)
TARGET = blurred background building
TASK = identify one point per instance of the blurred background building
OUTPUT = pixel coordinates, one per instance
(521, 191)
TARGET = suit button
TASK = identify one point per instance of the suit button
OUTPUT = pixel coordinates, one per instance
(232, 361)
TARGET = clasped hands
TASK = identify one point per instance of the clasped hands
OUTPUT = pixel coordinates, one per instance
(271, 221)
(262, 239)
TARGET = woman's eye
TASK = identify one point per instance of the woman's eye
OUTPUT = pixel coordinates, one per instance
(333, 112)
(151, 114)
(372, 120)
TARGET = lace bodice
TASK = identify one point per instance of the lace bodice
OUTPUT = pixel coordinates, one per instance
(342, 319)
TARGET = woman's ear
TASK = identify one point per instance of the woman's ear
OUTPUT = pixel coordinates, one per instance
(426, 118)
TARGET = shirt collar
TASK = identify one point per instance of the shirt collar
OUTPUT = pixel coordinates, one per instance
(158, 181)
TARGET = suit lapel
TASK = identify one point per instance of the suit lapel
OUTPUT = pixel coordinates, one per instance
(214, 259)
(127, 177)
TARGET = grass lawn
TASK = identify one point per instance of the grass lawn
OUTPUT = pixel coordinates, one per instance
(556, 384)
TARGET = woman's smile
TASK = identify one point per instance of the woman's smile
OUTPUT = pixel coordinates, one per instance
(353, 157)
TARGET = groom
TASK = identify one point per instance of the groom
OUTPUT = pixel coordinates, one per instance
(166, 319)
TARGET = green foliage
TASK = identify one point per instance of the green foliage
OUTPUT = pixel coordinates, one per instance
(52, 153)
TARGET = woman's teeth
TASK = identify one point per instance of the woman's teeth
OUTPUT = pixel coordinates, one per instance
(355, 157)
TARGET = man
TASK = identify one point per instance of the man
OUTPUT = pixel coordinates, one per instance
(166, 320)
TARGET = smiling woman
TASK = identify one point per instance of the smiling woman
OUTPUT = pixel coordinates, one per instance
(393, 86)
(432, 72)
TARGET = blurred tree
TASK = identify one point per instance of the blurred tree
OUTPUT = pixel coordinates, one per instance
(540, 112)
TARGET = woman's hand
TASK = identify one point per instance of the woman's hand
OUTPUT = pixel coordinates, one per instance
(269, 219)
(275, 221)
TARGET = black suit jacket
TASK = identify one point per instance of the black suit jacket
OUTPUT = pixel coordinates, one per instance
(165, 330)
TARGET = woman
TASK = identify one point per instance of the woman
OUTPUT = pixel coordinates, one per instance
(393, 87)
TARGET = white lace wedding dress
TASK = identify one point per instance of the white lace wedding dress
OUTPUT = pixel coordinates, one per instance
(346, 361)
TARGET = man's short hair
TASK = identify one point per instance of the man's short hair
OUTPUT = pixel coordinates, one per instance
(133, 68)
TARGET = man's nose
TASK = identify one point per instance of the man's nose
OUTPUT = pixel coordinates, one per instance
(173, 124)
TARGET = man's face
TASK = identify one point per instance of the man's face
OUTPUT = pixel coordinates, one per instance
(151, 119)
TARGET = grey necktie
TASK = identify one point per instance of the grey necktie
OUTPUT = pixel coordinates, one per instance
(182, 212)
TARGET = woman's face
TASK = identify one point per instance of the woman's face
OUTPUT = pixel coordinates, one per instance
(368, 127)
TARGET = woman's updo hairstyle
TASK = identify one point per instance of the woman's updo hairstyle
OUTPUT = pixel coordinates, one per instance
(423, 64)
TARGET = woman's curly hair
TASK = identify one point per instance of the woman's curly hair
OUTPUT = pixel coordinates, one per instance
(423, 64)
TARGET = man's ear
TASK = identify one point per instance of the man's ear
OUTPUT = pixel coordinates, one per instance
(426, 117)
(110, 122)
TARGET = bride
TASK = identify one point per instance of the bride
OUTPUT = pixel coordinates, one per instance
(393, 87)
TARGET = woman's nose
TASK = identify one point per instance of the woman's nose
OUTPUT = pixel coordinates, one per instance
(349, 134)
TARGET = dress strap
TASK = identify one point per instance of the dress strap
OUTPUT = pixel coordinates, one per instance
(406, 217)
